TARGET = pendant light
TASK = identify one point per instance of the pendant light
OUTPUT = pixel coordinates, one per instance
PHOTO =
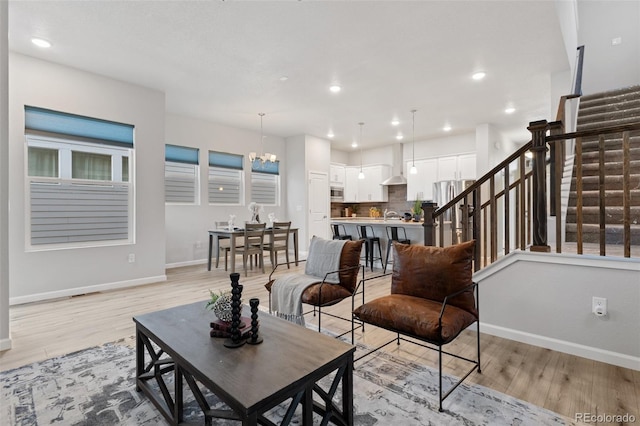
(264, 157)
(361, 174)
(413, 169)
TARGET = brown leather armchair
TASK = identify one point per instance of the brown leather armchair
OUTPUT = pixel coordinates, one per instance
(323, 294)
(432, 300)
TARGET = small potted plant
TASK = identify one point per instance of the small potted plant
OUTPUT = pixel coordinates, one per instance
(417, 210)
(354, 209)
(220, 304)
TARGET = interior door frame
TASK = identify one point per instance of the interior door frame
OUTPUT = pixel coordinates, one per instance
(327, 203)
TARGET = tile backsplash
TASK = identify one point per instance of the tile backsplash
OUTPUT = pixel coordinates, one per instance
(397, 202)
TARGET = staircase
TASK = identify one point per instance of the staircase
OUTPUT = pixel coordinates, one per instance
(607, 109)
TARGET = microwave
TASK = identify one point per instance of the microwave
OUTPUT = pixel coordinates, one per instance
(337, 193)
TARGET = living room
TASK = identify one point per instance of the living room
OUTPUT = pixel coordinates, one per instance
(164, 235)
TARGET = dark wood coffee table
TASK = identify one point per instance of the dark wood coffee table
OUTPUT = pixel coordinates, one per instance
(251, 379)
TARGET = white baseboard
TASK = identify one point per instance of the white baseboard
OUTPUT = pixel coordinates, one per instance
(186, 263)
(5, 344)
(84, 290)
(596, 354)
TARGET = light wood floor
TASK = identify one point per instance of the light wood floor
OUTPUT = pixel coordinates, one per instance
(559, 382)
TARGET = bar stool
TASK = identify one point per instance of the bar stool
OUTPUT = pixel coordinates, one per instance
(339, 232)
(365, 232)
(394, 234)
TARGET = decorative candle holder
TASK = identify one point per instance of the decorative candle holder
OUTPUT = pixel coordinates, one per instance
(235, 340)
(254, 339)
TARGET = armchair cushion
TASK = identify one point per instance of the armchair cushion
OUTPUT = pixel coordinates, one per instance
(415, 316)
(432, 273)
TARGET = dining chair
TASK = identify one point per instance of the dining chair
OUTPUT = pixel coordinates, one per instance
(253, 245)
(278, 241)
(224, 244)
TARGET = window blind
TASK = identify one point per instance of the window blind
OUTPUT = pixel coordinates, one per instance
(67, 212)
(264, 188)
(181, 154)
(56, 123)
(225, 160)
(225, 186)
(269, 167)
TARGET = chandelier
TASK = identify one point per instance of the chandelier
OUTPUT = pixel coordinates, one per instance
(266, 157)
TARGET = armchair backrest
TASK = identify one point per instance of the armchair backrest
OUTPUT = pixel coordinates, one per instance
(349, 257)
(435, 272)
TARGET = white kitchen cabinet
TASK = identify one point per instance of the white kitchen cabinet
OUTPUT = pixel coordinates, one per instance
(457, 167)
(448, 168)
(420, 185)
(467, 166)
(351, 184)
(370, 188)
(430, 170)
(337, 174)
(367, 189)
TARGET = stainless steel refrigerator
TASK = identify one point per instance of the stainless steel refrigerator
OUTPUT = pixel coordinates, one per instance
(445, 191)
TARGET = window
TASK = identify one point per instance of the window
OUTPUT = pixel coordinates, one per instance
(225, 178)
(181, 175)
(265, 182)
(78, 179)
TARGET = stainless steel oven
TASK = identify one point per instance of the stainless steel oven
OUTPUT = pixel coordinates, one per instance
(337, 193)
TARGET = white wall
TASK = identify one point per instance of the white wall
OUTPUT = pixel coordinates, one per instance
(187, 225)
(377, 155)
(545, 299)
(339, 156)
(567, 12)
(440, 147)
(608, 67)
(44, 274)
(5, 339)
(296, 200)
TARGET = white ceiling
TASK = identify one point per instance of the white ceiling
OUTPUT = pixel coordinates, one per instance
(222, 61)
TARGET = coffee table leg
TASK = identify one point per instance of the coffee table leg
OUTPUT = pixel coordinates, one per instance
(139, 357)
(347, 392)
(178, 405)
(307, 406)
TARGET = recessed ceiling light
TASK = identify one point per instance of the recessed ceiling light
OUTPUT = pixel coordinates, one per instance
(354, 144)
(446, 128)
(509, 110)
(40, 42)
(284, 78)
(399, 136)
(335, 88)
(395, 122)
(478, 75)
(330, 134)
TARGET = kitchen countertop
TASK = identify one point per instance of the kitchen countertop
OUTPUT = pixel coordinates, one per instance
(375, 221)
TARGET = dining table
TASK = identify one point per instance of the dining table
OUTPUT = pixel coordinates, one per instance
(233, 235)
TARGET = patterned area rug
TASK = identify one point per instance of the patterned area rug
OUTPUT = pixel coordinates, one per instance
(96, 387)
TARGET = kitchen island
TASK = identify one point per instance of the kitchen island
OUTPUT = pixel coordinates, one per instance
(415, 230)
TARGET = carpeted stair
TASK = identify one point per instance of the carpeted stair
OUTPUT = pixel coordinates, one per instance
(598, 110)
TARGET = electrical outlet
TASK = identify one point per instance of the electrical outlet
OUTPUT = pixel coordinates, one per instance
(198, 244)
(599, 306)
(132, 257)
(616, 41)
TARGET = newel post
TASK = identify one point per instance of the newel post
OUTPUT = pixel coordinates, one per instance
(428, 208)
(538, 131)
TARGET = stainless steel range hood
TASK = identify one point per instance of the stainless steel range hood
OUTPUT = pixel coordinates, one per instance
(398, 177)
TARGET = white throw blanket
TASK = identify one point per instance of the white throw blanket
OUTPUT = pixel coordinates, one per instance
(286, 292)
